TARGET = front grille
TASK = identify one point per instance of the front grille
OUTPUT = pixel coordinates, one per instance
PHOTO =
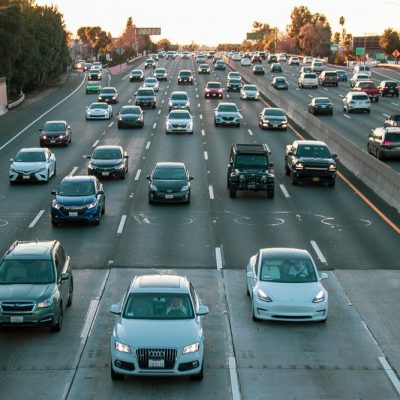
(227, 118)
(15, 307)
(179, 126)
(168, 355)
(253, 178)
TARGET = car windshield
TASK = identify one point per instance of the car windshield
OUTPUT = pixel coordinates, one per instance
(250, 88)
(130, 110)
(227, 108)
(108, 91)
(71, 188)
(234, 75)
(251, 160)
(139, 73)
(313, 151)
(107, 154)
(391, 84)
(235, 81)
(280, 80)
(158, 306)
(26, 271)
(179, 115)
(310, 76)
(96, 106)
(366, 85)
(30, 156)
(360, 97)
(185, 73)
(150, 80)
(170, 174)
(287, 271)
(395, 117)
(322, 101)
(214, 85)
(145, 93)
(393, 137)
(93, 84)
(179, 96)
(160, 70)
(204, 66)
(54, 126)
(274, 113)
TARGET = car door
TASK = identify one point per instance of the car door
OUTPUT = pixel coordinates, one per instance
(60, 260)
(50, 162)
(100, 195)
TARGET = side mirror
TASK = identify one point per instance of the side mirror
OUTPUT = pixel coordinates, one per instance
(115, 309)
(250, 275)
(290, 153)
(323, 275)
(88, 157)
(100, 192)
(11, 160)
(271, 165)
(126, 156)
(54, 192)
(148, 177)
(203, 310)
(333, 155)
(40, 129)
(64, 276)
(231, 163)
(191, 178)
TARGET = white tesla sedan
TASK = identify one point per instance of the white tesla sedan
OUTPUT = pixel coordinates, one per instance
(284, 285)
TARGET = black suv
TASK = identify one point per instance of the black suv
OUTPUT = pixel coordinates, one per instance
(310, 160)
(36, 284)
(250, 169)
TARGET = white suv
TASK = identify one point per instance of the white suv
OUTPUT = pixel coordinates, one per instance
(308, 79)
(356, 101)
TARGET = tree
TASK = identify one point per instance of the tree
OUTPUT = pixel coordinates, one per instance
(389, 41)
(164, 44)
(315, 39)
(336, 38)
(94, 38)
(300, 16)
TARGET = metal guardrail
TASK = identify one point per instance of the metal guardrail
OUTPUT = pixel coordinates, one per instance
(17, 102)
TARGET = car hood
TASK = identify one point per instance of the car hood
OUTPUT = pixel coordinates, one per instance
(227, 113)
(157, 333)
(164, 185)
(291, 292)
(98, 110)
(316, 160)
(25, 291)
(129, 117)
(178, 121)
(106, 163)
(75, 200)
(28, 166)
(53, 133)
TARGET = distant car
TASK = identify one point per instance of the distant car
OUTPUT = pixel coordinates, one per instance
(392, 121)
(93, 87)
(280, 83)
(179, 121)
(275, 67)
(258, 70)
(358, 77)
(294, 61)
(176, 347)
(356, 101)
(87, 66)
(32, 164)
(185, 76)
(389, 88)
(342, 75)
(36, 284)
(160, 74)
(328, 78)
(108, 161)
(256, 59)
(203, 69)
(109, 95)
(78, 198)
(185, 55)
(145, 97)
(154, 56)
(384, 142)
(55, 133)
(130, 117)
(169, 182)
(94, 74)
(227, 114)
(79, 64)
(282, 57)
(98, 65)
(369, 88)
(310, 161)
(234, 74)
(214, 90)
(362, 69)
(149, 63)
(317, 66)
(308, 80)
(151, 83)
(245, 62)
(307, 60)
(305, 69)
(249, 92)
(320, 105)
(200, 59)
(236, 57)
(272, 58)
(215, 59)
(272, 118)
(179, 100)
(136, 75)
(233, 85)
(284, 285)
(220, 65)
(99, 111)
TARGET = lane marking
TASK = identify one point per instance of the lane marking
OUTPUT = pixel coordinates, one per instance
(41, 116)
(137, 176)
(198, 105)
(154, 125)
(318, 251)
(201, 116)
(284, 191)
(148, 145)
(73, 171)
(203, 132)
(36, 219)
(250, 132)
(111, 124)
(347, 116)
(386, 115)
(205, 155)
(211, 192)
(218, 257)
(121, 225)
(129, 100)
(159, 112)
(390, 373)
(163, 101)
(90, 315)
(394, 104)
(96, 143)
(234, 378)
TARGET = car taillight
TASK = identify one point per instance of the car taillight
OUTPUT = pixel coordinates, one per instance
(395, 124)
(386, 142)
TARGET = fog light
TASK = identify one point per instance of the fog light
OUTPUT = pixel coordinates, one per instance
(195, 364)
(118, 363)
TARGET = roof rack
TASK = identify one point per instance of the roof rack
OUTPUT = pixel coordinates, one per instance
(253, 148)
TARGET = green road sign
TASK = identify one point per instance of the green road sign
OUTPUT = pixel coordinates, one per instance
(255, 35)
(334, 47)
(360, 51)
(379, 56)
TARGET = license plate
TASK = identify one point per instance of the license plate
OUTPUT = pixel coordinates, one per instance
(25, 177)
(156, 364)
(214, 94)
(169, 196)
(315, 179)
(105, 173)
(16, 319)
(73, 214)
(323, 106)
(52, 141)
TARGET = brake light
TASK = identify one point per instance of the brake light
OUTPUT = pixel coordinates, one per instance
(395, 124)
(386, 142)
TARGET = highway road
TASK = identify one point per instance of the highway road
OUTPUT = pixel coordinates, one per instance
(352, 356)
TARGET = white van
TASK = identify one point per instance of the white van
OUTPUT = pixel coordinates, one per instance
(362, 68)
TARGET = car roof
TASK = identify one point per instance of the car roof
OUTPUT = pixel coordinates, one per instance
(79, 178)
(311, 142)
(285, 252)
(31, 150)
(34, 249)
(169, 164)
(56, 122)
(178, 92)
(109, 146)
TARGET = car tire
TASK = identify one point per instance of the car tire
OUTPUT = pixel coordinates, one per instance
(71, 294)
(287, 170)
(379, 155)
(368, 111)
(115, 376)
(376, 99)
(54, 223)
(103, 210)
(232, 192)
(294, 180)
(58, 325)
(270, 193)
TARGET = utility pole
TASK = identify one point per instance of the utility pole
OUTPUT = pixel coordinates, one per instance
(276, 37)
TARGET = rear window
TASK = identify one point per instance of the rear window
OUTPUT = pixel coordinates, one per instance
(331, 74)
(145, 93)
(310, 76)
(360, 97)
(214, 85)
(393, 137)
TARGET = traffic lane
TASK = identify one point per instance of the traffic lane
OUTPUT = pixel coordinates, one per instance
(305, 360)
(32, 355)
(93, 373)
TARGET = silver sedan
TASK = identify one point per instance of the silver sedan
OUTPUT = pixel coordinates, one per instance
(152, 83)
(249, 92)
(179, 121)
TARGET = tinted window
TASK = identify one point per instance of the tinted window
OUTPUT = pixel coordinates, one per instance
(214, 85)
(130, 110)
(179, 96)
(179, 115)
(251, 160)
(313, 151)
(322, 101)
(26, 271)
(54, 126)
(102, 106)
(108, 91)
(145, 93)
(393, 137)
(227, 108)
(274, 113)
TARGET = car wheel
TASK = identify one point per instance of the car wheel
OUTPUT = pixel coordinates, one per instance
(294, 180)
(71, 293)
(54, 223)
(48, 177)
(287, 170)
(232, 191)
(58, 325)
(115, 376)
(271, 193)
(368, 111)
(55, 170)
(376, 99)
(103, 210)
(379, 154)
(200, 375)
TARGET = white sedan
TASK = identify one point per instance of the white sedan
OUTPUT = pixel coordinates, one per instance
(246, 62)
(284, 285)
(99, 111)
(152, 83)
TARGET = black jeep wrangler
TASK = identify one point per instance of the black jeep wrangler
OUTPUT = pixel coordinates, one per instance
(250, 169)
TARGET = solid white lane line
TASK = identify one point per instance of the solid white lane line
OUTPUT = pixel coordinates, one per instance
(121, 225)
(203, 132)
(111, 124)
(234, 378)
(96, 143)
(91, 313)
(205, 155)
(318, 251)
(148, 145)
(347, 116)
(250, 132)
(41, 116)
(218, 257)
(386, 115)
(284, 191)
(390, 373)
(137, 176)
(211, 192)
(36, 219)
(340, 95)
(73, 171)
(154, 125)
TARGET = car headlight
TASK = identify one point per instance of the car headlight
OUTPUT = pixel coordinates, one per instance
(299, 165)
(319, 297)
(100, 97)
(185, 188)
(123, 348)
(121, 166)
(263, 296)
(153, 187)
(46, 303)
(56, 205)
(190, 125)
(91, 205)
(168, 124)
(120, 118)
(191, 348)
(332, 168)
(41, 170)
(170, 104)
(12, 169)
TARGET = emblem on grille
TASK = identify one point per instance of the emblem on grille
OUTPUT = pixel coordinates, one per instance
(156, 354)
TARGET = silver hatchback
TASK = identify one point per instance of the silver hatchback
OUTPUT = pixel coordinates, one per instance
(356, 101)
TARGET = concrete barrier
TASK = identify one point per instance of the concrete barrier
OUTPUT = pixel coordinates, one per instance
(383, 180)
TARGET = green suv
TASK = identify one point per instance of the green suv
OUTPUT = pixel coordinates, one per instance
(36, 284)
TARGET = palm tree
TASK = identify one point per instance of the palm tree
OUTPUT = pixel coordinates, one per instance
(341, 22)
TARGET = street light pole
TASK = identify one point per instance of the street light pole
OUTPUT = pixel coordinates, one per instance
(365, 47)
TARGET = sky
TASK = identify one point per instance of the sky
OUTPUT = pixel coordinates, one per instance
(211, 22)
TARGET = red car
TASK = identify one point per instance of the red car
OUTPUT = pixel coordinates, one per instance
(256, 59)
(213, 89)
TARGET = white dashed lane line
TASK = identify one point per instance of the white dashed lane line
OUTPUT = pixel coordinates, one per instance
(318, 251)
(218, 257)
(121, 225)
(155, 125)
(250, 132)
(205, 155)
(137, 176)
(96, 143)
(347, 116)
(73, 171)
(211, 192)
(201, 116)
(159, 112)
(203, 133)
(148, 145)
(284, 191)
(111, 124)
(36, 219)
